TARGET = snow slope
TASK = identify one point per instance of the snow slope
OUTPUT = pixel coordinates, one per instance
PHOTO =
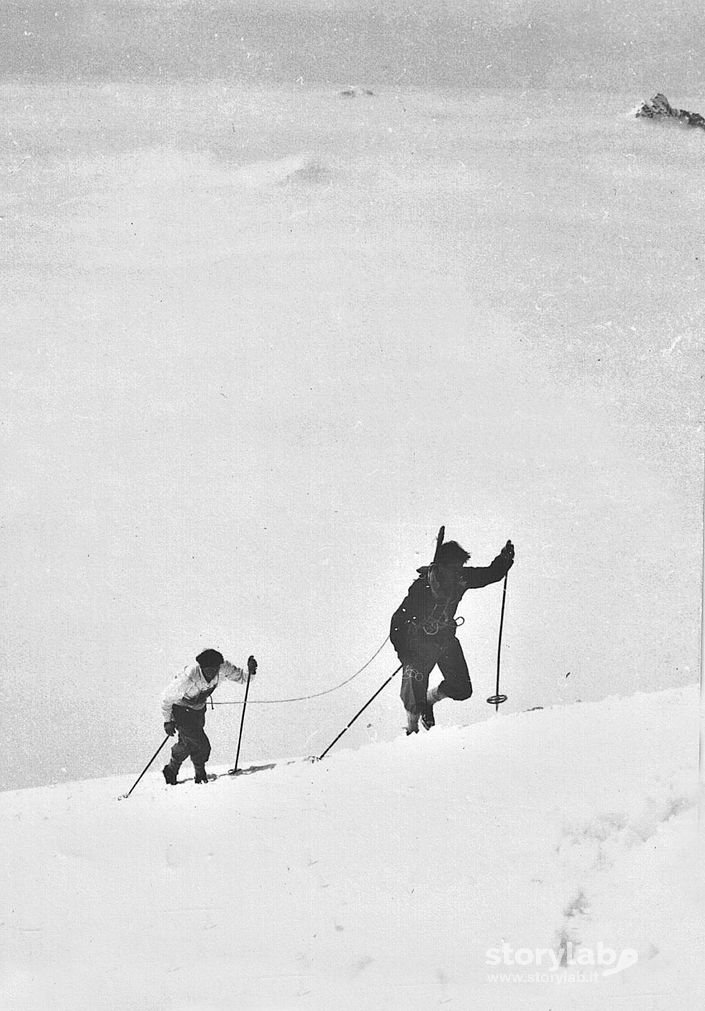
(387, 877)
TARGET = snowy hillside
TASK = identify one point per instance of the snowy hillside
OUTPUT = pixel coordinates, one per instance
(407, 874)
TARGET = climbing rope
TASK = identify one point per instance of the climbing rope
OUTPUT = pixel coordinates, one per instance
(315, 695)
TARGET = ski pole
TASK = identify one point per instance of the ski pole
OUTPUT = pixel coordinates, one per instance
(496, 699)
(233, 771)
(124, 796)
(359, 713)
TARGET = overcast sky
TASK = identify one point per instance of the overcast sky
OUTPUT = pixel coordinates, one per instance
(485, 43)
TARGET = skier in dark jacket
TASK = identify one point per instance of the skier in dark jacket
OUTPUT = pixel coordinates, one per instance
(423, 629)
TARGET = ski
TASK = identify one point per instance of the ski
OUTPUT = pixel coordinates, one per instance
(250, 769)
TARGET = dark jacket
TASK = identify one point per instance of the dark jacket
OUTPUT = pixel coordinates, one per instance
(430, 605)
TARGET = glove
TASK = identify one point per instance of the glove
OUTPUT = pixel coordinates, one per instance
(170, 728)
(251, 666)
(507, 554)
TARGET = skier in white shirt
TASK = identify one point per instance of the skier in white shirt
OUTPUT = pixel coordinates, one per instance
(184, 709)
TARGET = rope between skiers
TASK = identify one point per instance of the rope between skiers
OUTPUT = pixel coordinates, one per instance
(315, 695)
(422, 632)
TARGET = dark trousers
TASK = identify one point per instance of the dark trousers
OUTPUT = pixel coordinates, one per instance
(192, 742)
(420, 653)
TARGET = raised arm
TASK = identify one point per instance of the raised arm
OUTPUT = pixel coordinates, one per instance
(232, 673)
(476, 576)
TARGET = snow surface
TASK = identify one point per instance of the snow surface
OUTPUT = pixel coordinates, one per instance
(378, 878)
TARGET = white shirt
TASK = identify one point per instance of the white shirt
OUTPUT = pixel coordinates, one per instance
(191, 690)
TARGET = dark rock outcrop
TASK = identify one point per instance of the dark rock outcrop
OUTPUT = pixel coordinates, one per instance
(659, 108)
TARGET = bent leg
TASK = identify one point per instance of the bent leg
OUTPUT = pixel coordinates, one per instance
(418, 655)
(200, 749)
(179, 753)
(456, 682)
(192, 741)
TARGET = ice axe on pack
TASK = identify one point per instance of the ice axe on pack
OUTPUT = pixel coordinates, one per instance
(439, 542)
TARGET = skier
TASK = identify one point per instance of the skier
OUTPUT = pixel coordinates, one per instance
(184, 709)
(423, 629)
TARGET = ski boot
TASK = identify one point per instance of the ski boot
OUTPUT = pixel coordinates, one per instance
(412, 723)
(170, 774)
(200, 776)
(432, 696)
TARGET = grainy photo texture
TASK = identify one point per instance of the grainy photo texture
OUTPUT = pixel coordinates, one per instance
(351, 518)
